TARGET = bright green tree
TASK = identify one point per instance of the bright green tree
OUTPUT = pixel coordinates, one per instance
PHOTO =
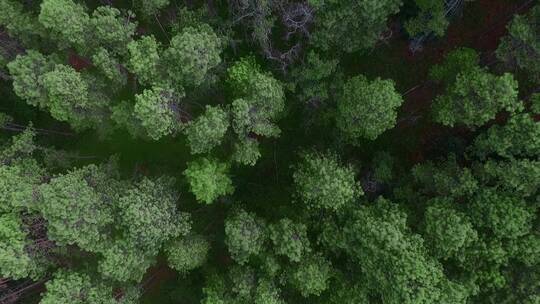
(16, 261)
(74, 209)
(245, 234)
(367, 109)
(208, 179)
(323, 183)
(26, 71)
(66, 21)
(76, 288)
(290, 239)
(188, 253)
(207, 131)
(311, 276)
(157, 110)
(192, 54)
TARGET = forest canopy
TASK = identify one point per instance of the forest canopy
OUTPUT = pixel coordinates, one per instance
(269, 152)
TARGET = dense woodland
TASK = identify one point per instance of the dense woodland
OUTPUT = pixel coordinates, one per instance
(270, 151)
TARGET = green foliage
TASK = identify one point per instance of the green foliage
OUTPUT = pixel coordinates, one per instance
(351, 26)
(311, 276)
(20, 23)
(67, 94)
(208, 179)
(200, 87)
(446, 178)
(76, 288)
(149, 214)
(519, 137)
(123, 261)
(187, 253)
(15, 261)
(245, 235)
(150, 8)
(290, 239)
(383, 167)
(535, 103)
(521, 47)
(323, 183)
(367, 109)
(191, 54)
(66, 21)
(394, 260)
(144, 58)
(207, 131)
(110, 30)
(74, 210)
(261, 100)
(447, 231)
(109, 66)
(314, 81)
(26, 71)
(246, 151)
(475, 98)
(156, 109)
(457, 61)
(504, 215)
(431, 18)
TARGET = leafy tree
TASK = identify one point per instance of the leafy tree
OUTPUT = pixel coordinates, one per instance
(431, 18)
(66, 21)
(311, 276)
(149, 8)
(367, 109)
(191, 54)
(246, 151)
(15, 260)
(519, 137)
(157, 111)
(185, 254)
(245, 235)
(349, 25)
(290, 239)
(124, 261)
(473, 96)
(149, 214)
(208, 179)
(521, 47)
(314, 80)
(20, 23)
(18, 183)
(446, 178)
(67, 94)
(447, 231)
(74, 210)
(504, 215)
(261, 101)
(207, 130)
(394, 260)
(109, 29)
(517, 176)
(110, 67)
(144, 59)
(76, 288)
(322, 183)
(26, 71)
(457, 61)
